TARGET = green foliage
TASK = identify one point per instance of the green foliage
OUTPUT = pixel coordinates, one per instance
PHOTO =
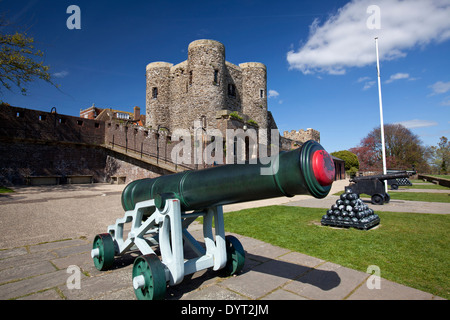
(440, 156)
(235, 115)
(17, 61)
(252, 122)
(5, 190)
(352, 172)
(351, 160)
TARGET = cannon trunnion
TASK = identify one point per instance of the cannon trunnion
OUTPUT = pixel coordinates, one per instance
(160, 211)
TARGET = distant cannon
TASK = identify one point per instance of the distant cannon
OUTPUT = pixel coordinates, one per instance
(374, 185)
(404, 181)
(161, 209)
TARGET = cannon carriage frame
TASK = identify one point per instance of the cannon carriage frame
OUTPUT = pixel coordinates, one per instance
(166, 226)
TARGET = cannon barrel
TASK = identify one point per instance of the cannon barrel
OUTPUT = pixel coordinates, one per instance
(383, 177)
(306, 170)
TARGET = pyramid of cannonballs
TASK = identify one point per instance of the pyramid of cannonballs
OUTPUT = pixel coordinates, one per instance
(350, 211)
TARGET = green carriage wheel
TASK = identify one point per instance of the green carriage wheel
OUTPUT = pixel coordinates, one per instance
(103, 251)
(149, 278)
(235, 257)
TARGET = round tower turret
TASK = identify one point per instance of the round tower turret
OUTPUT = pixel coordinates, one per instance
(254, 92)
(158, 94)
(206, 79)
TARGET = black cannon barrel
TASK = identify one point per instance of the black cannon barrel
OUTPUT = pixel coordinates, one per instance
(383, 177)
(306, 170)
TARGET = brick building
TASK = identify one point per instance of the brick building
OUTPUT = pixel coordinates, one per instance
(108, 114)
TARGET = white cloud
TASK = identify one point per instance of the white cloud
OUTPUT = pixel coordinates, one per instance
(368, 85)
(440, 87)
(363, 79)
(397, 76)
(61, 74)
(446, 102)
(345, 41)
(273, 94)
(368, 82)
(416, 123)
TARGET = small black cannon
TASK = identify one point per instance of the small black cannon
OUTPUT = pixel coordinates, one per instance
(395, 183)
(374, 185)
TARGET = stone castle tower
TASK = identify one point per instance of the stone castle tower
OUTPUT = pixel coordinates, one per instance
(204, 87)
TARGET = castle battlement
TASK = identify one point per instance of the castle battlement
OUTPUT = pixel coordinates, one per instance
(302, 135)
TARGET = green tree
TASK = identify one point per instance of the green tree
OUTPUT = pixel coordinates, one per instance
(351, 161)
(441, 156)
(17, 61)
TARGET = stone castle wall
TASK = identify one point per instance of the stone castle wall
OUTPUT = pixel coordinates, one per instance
(38, 143)
(302, 135)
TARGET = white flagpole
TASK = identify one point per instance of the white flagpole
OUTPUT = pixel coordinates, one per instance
(383, 148)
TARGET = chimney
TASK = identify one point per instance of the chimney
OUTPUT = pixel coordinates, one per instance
(137, 113)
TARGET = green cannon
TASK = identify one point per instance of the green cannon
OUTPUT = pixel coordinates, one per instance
(161, 209)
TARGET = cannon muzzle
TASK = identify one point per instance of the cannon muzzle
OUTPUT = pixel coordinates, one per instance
(306, 170)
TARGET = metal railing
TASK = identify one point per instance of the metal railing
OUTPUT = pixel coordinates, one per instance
(155, 156)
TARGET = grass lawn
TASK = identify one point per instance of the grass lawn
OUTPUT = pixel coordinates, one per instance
(445, 176)
(410, 248)
(425, 186)
(419, 196)
(5, 190)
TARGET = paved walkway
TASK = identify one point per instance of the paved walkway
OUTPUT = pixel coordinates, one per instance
(46, 240)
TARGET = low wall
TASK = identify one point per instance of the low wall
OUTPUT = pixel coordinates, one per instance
(440, 181)
(22, 159)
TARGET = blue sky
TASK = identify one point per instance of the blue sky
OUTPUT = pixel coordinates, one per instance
(320, 57)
